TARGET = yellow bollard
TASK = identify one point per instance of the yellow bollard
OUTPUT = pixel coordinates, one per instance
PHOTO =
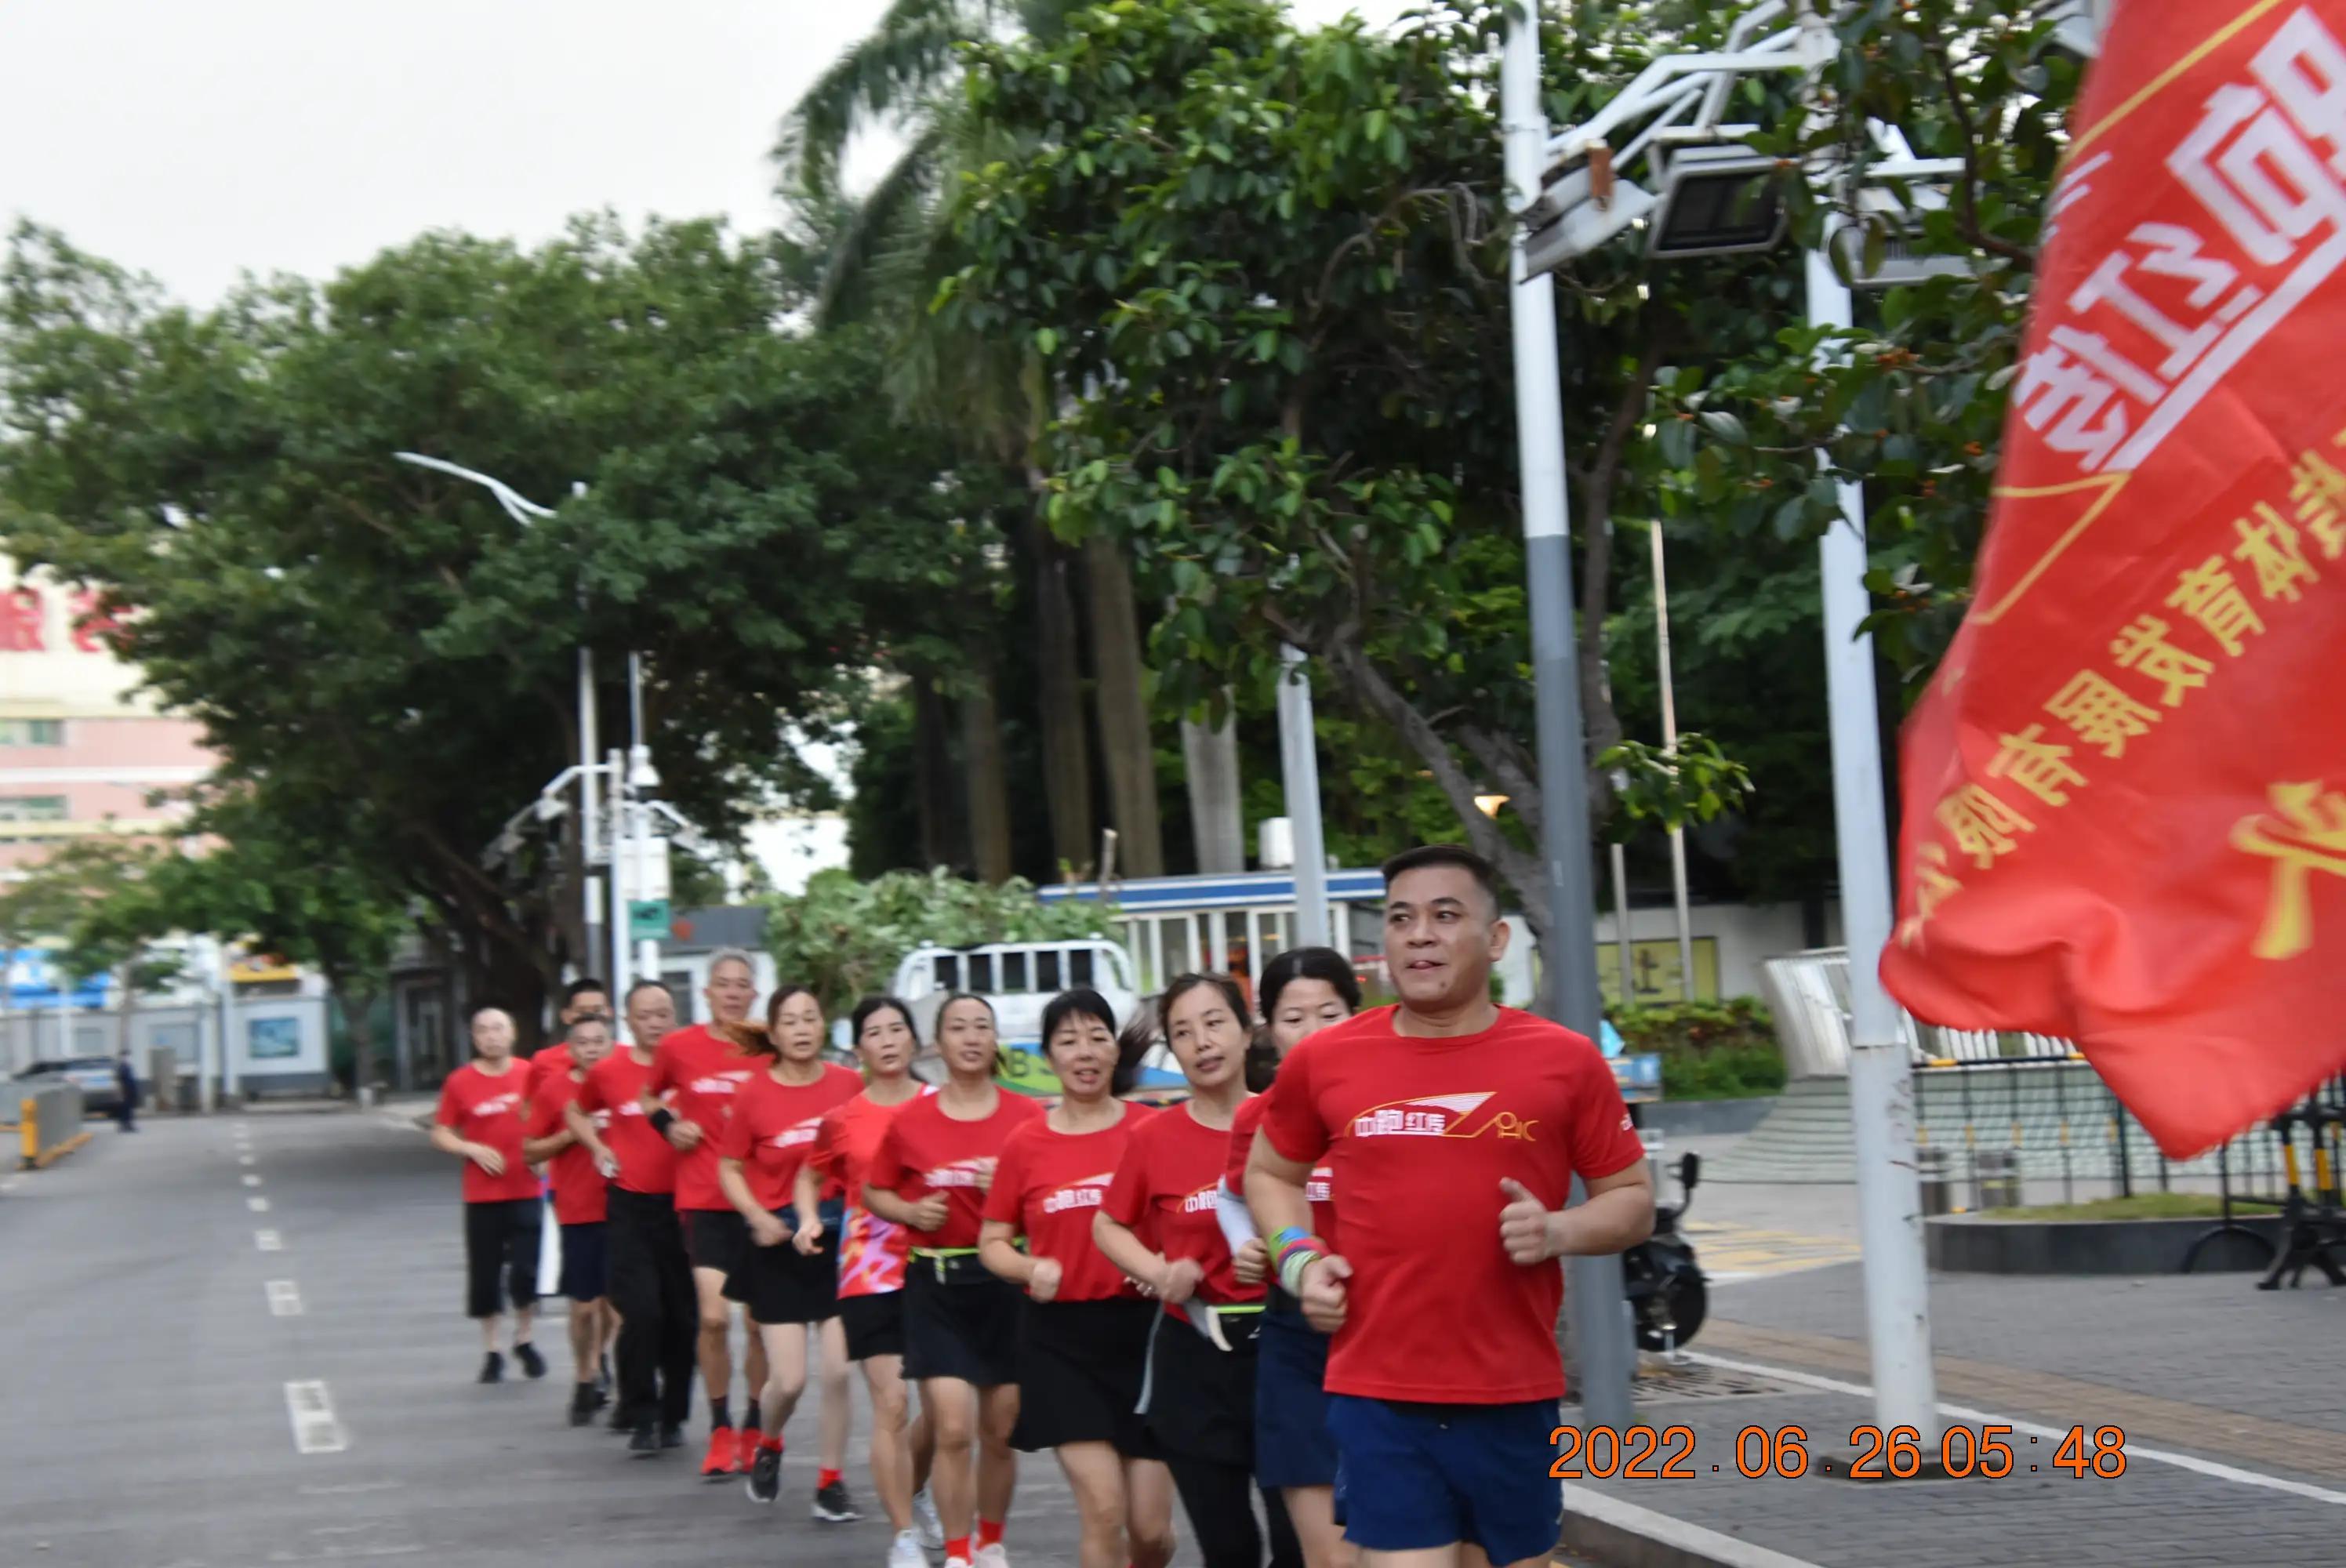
(29, 1130)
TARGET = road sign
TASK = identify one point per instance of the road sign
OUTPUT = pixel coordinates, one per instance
(647, 920)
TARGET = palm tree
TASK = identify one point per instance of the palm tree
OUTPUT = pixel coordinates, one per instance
(877, 263)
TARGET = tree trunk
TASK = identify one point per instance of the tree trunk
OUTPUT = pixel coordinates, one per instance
(1066, 750)
(123, 978)
(358, 1016)
(989, 789)
(1124, 710)
(1217, 814)
(933, 777)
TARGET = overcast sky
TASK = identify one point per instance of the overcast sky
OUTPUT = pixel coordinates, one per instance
(194, 139)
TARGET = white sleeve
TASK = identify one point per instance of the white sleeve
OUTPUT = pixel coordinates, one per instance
(1237, 1221)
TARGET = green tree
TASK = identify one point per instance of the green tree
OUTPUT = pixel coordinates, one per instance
(382, 649)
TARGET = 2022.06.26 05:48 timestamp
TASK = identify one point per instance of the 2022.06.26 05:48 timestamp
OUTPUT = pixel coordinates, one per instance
(1989, 1453)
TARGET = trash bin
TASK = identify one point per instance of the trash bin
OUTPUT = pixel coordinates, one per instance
(1938, 1193)
(1998, 1177)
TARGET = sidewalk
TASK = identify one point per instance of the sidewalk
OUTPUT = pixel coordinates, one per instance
(2235, 1436)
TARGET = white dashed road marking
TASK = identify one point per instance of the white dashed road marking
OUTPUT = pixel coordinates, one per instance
(258, 1205)
(267, 1241)
(284, 1298)
(311, 1411)
(253, 1181)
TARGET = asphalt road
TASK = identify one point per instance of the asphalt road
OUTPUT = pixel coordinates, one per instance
(145, 1378)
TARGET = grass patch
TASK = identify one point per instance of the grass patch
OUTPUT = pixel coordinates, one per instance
(2141, 1206)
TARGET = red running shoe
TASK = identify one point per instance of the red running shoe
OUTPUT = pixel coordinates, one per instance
(722, 1460)
(746, 1455)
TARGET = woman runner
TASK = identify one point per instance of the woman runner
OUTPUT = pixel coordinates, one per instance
(788, 1288)
(1159, 1225)
(1086, 1331)
(481, 1121)
(1302, 992)
(581, 1203)
(961, 1324)
(872, 1255)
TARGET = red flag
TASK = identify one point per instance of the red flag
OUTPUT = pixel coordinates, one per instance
(2125, 789)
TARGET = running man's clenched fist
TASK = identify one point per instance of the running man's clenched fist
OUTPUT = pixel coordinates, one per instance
(1527, 1227)
(1323, 1298)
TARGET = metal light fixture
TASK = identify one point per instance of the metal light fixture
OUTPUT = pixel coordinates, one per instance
(1718, 200)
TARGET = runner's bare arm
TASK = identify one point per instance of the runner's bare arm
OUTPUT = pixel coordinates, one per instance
(446, 1140)
(1173, 1278)
(997, 1248)
(581, 1127)
(925, 1215)
(1618, 1214)
(538, 1150)
(681, 1134)
(1274, 1188)
(806, 1202)
(764, 1228)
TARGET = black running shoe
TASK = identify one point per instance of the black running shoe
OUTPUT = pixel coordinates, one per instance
(619, 1421)
(582, 1405)
(645, 1442)
(493, 1368)
(672, 1435)
(766, 1475)
(833, 1506)
(531, 1361)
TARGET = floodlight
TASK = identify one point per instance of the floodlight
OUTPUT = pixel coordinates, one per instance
(1718, 200)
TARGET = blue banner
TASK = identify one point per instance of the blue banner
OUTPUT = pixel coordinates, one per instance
(33, 981)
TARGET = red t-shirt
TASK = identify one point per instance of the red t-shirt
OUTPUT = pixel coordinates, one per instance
(699, 1072)
(871, 1250)
(773, 1126)
(615, 1086)
(580, 1194)
(488, 1110)
(551, 1062)
(1048, 1186)
(1419, 1133)
(1163, 1194)
(925, 1151)
(1320, 1189)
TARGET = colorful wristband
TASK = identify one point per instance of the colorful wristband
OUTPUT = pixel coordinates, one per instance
(1295, 1242)
(1286, 1236)
(1292, 1268)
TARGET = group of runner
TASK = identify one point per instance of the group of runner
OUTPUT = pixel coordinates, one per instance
(1157, 1297)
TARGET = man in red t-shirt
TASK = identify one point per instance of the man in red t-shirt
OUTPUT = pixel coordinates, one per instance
(700, 1069)
(1454, 1127)
(651, 1281)
(480, 1121)
(582, 998)
(580, 1205)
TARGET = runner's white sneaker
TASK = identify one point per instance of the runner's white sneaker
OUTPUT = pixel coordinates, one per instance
(926, 1524)
(992, 1556)
(906, 1552)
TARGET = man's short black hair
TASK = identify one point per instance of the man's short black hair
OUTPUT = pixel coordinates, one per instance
(643, 985)
(1458, 855)
(581, 987)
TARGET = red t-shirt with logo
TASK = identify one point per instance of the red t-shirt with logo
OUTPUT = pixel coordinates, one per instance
(551, 1062)
(699, 1072)
(872, 1251)
(614, 1085)
(581, 1196)
(925, 1151)
(1319, 1188)
(773, 1127)
(1163, 1194)
(1048, 1186)
(1419, 1133)
(488, 1110)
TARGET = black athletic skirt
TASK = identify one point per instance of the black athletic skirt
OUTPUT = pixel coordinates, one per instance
(716, 1239)
(960, 1321)
(875, 1325)
(783, 1285)
(1080, 1365)
(1201, 1399)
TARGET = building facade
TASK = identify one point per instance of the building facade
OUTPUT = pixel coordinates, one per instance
(82, 750)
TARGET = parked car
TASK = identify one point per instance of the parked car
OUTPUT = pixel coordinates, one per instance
(101, 1091)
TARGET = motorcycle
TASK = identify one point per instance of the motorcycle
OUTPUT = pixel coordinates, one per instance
(1664, 1283)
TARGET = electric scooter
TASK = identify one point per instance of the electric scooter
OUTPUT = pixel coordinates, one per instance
(1664, 1283)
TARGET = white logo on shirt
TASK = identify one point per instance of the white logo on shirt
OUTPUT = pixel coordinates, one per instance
(961, 1173)
(720, 1083)
(496, 1104)
(1320, 1188)
(1088, 1192)
(1430, 1118)
(791, 1136)
(1203, 1199)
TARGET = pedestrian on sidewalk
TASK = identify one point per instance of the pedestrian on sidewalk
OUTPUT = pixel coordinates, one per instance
(1452, 1128)
(651, 1279)
(126, 1085)
(792, 1291)
(581, 1204)
(481, 1120)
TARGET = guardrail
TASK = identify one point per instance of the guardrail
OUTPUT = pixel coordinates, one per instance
(49, 1123)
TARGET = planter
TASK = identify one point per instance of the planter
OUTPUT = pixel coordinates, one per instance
(1967, 1243)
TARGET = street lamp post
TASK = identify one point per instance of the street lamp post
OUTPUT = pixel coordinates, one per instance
(1299, 760)
(1600, 1319)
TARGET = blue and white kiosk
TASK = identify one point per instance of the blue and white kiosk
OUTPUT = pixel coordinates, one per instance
(1235, 922)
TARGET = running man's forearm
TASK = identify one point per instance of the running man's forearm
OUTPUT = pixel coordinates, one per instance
(1618, 1215)
(581, 1127)
(538, 1151)
(446, 1140)
(1274, 1189)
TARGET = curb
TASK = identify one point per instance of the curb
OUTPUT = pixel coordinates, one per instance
(1624, 1535)
(54, 1153)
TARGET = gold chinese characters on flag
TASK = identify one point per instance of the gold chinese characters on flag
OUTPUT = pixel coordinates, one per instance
(2125, 789)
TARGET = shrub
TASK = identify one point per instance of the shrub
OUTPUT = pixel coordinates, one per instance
(1709, 1050)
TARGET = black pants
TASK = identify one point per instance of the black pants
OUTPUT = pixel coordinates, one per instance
(1214, 1496)
(501, 1255)
(128, 1114)
(659, 1317)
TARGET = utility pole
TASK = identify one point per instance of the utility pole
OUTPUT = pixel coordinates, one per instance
(1298, 762)
(1600, 1319)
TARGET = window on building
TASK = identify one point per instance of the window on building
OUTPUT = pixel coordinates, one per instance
(32, 732)
(31, 808)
